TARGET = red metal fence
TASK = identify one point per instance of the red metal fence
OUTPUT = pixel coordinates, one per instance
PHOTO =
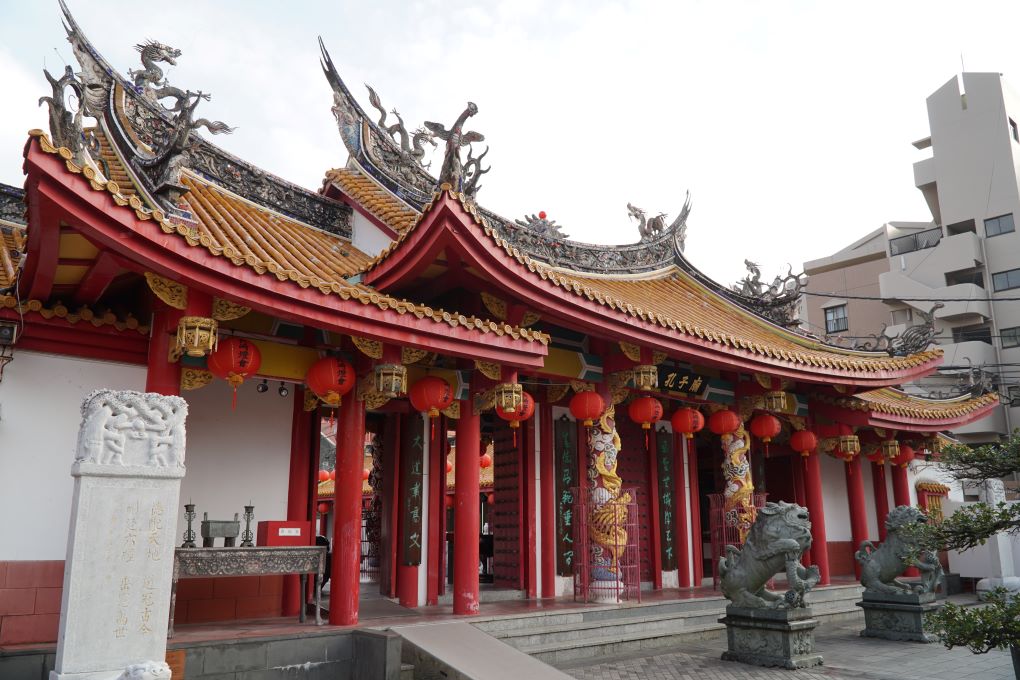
(596, 577)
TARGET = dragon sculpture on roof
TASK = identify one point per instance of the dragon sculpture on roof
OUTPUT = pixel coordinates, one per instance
(914, 339)
(776, 301)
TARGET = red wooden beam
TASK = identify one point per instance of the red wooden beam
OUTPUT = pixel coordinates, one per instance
(97, 279)
(43, 245)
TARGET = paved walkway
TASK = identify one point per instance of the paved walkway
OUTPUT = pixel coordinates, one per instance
(847, 657)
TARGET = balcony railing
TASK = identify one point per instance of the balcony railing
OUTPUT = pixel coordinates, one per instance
(928, 238)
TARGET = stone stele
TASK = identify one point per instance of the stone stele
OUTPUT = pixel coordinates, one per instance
(127, 477)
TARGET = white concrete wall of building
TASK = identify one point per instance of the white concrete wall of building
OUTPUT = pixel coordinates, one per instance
(40, 409)
(367, 237)
(834, 499)
(237, 456)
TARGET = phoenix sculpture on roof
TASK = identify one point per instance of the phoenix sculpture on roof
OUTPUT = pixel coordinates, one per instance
(452, 172)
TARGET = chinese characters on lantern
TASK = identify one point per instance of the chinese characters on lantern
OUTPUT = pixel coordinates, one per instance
(565, 460)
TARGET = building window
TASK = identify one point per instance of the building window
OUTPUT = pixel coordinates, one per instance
(972, 334)
(1010, 337)
(1003, 224)
(901, 317)
(1006, 280)
(836, 319)
(1013, 130)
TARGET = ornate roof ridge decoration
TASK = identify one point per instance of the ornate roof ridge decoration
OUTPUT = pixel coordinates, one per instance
(891, 401)
(914, 338)
(12, 204)
(342, 288)
(140, 125)
(83, 314)
(777, 301)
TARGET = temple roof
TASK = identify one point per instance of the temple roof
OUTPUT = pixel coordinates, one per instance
(895, 402)
(671, 299)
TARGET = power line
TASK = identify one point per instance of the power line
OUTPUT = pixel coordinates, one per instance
(906, 299)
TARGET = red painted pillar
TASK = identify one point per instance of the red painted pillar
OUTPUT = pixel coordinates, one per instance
(655, 530)
(813, 496)
(407, 574)
(858, 514)
(467, 507)
(529, 489)
(436, 509)
(164, 376)
(900, 485)
(299, 488)
(881, 496)
(547, 489)
(697, 549)
(390, 507)
(350, 458)
(683, 553)
(799, 495)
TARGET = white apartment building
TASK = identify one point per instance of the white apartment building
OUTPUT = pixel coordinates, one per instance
(968, 256)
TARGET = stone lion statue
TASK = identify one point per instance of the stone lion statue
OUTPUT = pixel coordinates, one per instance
(881, 566)
(779, 536)
(148, 670)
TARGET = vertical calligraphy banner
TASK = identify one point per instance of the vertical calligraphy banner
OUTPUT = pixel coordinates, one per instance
(411, 479)
(667, 504)
(565, 461)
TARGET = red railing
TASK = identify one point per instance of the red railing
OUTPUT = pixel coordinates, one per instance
(596, 577)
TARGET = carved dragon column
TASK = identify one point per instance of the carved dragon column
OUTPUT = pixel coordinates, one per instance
(607, 506)
(738, 492)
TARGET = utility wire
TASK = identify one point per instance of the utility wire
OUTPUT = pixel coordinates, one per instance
(907, 299)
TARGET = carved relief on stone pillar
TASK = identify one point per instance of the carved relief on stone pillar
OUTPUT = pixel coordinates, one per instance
(132, 429)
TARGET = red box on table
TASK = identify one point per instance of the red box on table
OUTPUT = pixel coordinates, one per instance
(285, 533)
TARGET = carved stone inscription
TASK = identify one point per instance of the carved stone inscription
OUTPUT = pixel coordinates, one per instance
(127, 470)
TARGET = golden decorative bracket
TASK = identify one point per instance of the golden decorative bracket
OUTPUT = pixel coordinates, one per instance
(172, 293)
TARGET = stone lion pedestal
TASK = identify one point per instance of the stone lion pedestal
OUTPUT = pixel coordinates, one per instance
(897, 616)
(771, 637)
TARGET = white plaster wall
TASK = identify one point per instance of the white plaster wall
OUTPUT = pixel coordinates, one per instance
(237, 456)
(834, 500)
(367, 237)
(40, 401)
(869, 499)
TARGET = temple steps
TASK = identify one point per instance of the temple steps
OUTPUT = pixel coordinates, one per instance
(560, 637)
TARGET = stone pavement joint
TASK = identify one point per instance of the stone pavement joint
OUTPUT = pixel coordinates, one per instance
(847, 657)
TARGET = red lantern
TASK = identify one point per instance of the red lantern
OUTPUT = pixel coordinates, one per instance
(804, 442)
(449, 467)
(645, 410)
(877, 456)
(906, 455)
(234, 360)
(515, 417)
(431, 394)
(491, 499)
(765, 427)
(723, 422)
(687, 421)
(324, 475)
(587, 406)
(364, 475)
(330, 379)
(332, 474)
(485, 461)
(449, 501)
(323, 508)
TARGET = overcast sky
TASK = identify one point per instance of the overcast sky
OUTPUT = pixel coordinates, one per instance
(790, 123)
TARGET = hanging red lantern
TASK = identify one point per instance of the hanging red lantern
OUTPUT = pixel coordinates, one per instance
(330, 378)
(448, 501)
(324, 475)
(234, 360)
(332, 474)
(431, 395)
(877, 456)
(323, 508)
(765, 427)
(364, 475)
(587, 407)
(449, 467)
(485, 461)
(491, 499)
(906, 455)
(804, 442)
(723, 422)
(526, 410)
(645, 410)
(687, 421)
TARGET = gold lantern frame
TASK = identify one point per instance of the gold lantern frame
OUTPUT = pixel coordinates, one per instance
(391, 380)
(509, 397)
(197, 336)
(646, 376)
(775, 400)
(849, 444)
(890, 449)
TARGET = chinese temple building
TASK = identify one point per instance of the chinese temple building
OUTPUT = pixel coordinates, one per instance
(633, 412)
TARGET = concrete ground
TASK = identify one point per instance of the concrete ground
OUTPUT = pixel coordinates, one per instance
(847, 657)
